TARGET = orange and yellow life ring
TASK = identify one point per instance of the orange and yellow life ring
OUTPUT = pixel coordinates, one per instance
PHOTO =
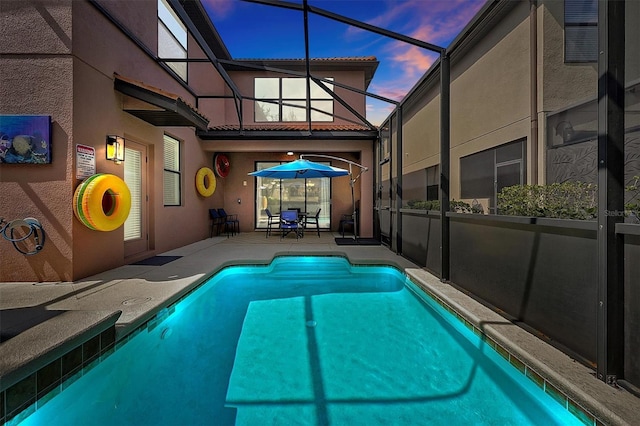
(205, 182)
(102, 202)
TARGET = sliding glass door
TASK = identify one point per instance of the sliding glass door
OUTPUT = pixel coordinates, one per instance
(307, 195)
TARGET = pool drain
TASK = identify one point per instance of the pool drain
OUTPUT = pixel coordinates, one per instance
(311, 324)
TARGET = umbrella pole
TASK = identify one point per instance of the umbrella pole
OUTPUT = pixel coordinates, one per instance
(353, 205)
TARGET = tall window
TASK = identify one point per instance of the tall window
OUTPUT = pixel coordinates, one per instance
(172, 173)
(285, 99)
(484, 174)
(172, 38)
(133, 179)
(581, 30)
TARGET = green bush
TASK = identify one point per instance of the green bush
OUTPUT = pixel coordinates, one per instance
(424, 205)
(568, 200)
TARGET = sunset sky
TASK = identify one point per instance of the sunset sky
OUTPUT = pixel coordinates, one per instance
(252, 30)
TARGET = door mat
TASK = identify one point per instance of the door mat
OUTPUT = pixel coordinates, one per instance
(157, 260)
(358, 242)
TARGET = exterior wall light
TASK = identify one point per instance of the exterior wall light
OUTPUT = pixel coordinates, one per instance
(115, 148)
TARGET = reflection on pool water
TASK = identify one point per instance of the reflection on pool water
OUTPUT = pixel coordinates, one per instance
(304, 341)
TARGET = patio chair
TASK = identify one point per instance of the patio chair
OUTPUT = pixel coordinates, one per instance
(231, 222)
(216, 222)
(270, 218)
(347, 220)
(289, 223)
(313, 220)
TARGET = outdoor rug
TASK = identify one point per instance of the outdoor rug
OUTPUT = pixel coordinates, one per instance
(157, 260)
(358, 242)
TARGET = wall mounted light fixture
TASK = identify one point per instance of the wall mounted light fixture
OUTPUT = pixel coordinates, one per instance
(115, 148)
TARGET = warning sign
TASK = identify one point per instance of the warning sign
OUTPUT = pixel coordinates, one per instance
(85, 161)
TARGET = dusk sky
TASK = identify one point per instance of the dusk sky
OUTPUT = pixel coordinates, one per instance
(251, 30)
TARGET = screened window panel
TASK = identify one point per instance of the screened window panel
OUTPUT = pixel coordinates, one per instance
(294, 88)
(168, 47)
(267, 88)
(293, 113)
(267, 111)
(287, 100)
(171, 176)
(133, 178)
(171, 20)
(581, 11)
(326, 106)
(318, 93)
(581, 30)
(171, 191)
(172, 38)
(477, 175)
(581, 44)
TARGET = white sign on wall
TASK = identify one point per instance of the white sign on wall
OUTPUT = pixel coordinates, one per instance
(85, 161)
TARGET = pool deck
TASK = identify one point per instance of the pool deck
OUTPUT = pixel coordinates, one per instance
(131, 295)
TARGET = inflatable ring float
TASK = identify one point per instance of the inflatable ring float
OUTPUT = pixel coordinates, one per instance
(205, 182)
(102, 202)
(222, 165)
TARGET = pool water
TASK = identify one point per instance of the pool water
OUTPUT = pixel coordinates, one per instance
(304, 341)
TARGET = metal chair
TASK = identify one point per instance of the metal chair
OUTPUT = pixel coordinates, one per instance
(270, 219)
(313, 220)
(347, 219)
(216, 221)
(231, 222)
(289, 223)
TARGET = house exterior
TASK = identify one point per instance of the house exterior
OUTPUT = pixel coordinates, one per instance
(523, 106)
(98, 70)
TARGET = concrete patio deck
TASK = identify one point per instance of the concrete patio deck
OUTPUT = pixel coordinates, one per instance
(131, 295)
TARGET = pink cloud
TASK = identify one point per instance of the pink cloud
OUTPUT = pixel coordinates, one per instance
(219, 8)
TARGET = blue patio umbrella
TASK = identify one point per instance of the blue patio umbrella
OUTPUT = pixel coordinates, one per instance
(300, 169)
(305, 169)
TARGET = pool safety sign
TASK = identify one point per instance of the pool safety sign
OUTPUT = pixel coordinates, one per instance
(85, 161)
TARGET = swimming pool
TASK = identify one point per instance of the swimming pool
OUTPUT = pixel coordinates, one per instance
(305, 340)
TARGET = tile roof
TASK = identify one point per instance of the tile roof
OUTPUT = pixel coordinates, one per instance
(330, 127)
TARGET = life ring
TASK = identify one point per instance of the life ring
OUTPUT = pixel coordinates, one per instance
(102, 202)
(205, 182)
(222, 165)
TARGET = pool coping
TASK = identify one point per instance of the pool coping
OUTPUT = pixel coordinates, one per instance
(568, 381)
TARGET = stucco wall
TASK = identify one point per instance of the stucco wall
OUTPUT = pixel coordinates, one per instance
(33, 81)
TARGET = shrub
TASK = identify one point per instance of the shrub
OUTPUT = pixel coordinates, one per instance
(568, 200)
(424, 205)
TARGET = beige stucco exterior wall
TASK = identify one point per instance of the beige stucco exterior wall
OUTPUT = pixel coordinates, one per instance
(561, 84)
(36, 78)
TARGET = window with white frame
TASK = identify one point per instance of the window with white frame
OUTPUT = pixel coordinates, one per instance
(172, 38)
(285, 99)
(172, 173)
(581, 30)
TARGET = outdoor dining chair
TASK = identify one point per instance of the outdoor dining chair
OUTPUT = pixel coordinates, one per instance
(270, 218)
(230, 221)
(313, 220)
(347, 220)
(216, 222)
(289, 223)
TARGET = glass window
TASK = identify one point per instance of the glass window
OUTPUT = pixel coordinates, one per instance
(581, 30)
(172, 173)
(172, 38)
(307, 195)
(133, 178)
(484, 174)
(285, 99)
